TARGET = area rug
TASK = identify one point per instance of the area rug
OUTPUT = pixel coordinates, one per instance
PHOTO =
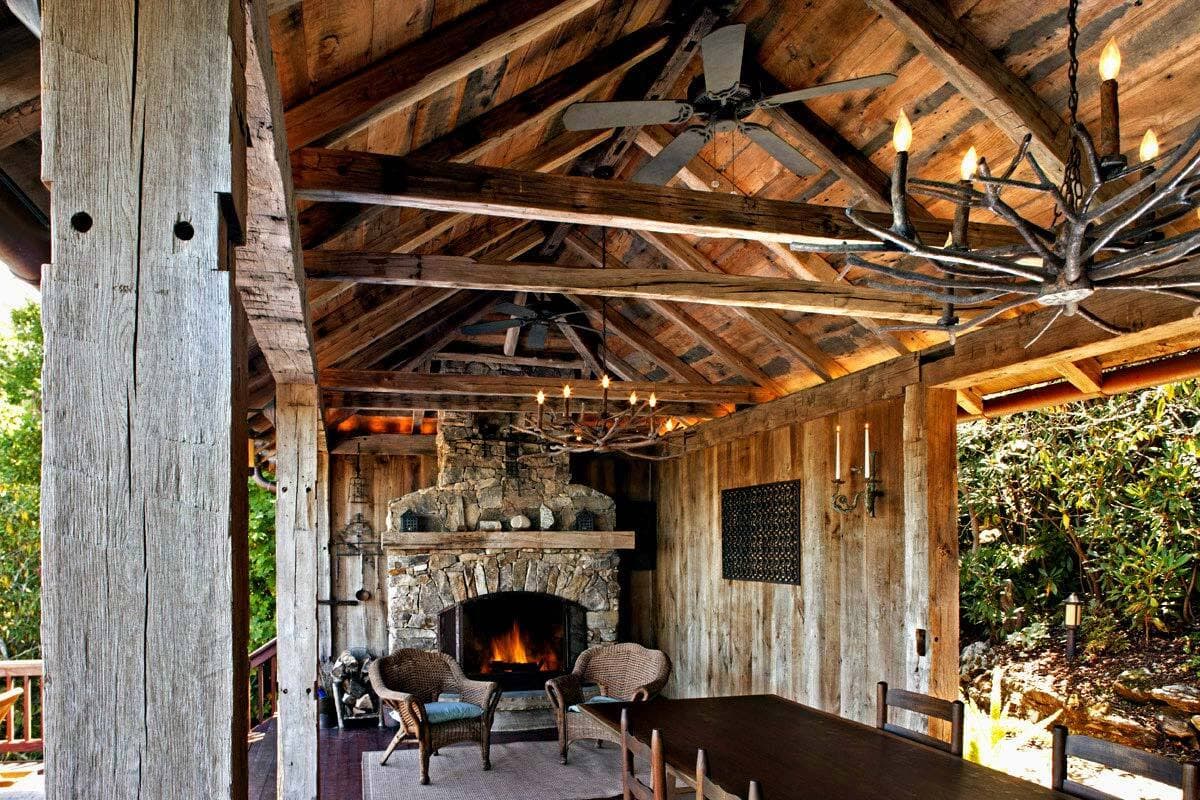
(520, 771)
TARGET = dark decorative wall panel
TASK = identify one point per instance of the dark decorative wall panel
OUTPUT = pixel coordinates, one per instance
(760, 533)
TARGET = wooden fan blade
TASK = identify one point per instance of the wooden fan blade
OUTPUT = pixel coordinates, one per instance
(673, 157)
(722, 52)
(852, 85)
(623, 113)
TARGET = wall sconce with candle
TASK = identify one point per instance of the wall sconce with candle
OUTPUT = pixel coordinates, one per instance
(872, 491)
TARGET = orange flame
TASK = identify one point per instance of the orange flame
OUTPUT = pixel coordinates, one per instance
(515, 647)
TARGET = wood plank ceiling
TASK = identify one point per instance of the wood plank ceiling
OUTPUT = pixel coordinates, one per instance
(480, 83)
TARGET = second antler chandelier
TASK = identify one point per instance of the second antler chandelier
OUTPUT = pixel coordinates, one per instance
(1107, 232)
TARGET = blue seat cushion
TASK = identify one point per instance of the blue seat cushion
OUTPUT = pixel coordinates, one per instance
(447, 712)
(597, 699)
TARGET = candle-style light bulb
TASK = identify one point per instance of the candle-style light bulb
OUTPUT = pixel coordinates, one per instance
(866, 449)
(541, 397)
(837, 453)
(653, 400)
(541, 401)
(902, 134)
(567, 391)
(1110, 61)
(670, 425)
(605, 382)
(632, 398)
(969, 165)
(1149, 148)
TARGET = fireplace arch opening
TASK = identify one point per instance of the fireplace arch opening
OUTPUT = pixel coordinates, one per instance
(518, 639)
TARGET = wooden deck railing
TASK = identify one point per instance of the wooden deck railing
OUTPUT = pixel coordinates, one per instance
(262, 683)
(22, 726)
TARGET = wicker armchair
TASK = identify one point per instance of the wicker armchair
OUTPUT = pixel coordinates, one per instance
(408, 683)
(625, 672)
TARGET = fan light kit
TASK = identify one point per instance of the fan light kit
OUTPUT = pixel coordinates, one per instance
(1107, 232)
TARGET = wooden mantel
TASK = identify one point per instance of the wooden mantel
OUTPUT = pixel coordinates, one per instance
(512, 540)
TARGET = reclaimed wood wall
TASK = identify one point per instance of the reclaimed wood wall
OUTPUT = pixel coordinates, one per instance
(388, 477)
(852, 620)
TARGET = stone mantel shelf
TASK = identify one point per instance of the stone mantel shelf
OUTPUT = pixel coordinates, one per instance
(542, 540)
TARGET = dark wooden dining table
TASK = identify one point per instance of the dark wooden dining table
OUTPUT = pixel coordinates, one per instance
(795, 751)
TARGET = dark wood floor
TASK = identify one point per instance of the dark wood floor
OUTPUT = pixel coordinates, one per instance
(340, 757)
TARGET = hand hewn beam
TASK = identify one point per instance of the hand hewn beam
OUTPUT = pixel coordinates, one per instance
(511, 119)
(983, 79)
(747, 291)
(1084, 374)
(391, 444)
(270, 277)
(391, 404)
(732, 357)
(638, 339)
(546, 362)
(355, 177)
(414, 72)
(598, 363)
(702, 177)
(515, 386)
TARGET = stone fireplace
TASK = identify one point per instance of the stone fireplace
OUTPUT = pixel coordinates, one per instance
(496, 574)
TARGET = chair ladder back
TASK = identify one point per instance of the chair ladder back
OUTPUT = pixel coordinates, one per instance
(933, 707)
(706, 789)
(1185, 777)
(631, 748)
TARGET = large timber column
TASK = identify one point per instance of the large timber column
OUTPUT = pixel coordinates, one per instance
(298, 530)
(931, 539)
(143, 482)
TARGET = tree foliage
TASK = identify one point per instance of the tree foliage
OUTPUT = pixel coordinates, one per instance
(1101, 498)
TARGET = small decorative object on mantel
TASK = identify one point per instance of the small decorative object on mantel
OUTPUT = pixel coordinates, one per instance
(760, 533)
(545, 518)
(872, 491)
(585, 521)
(490, 525)
(520, 523)
(410, 522)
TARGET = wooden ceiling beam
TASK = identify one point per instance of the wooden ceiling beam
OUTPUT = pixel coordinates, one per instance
(513, 118)
(745, 291)
(638, 339)
(355, 177)
(389, 382)
(981, 77)
(442, 331)
(777, 330)
(733, 358)
(1084, 374)
(414, 72)
(504, 360)
(970, 401)
(387, 444)
(700, 176)
(598, 363)
(393, 403)
(20, 102)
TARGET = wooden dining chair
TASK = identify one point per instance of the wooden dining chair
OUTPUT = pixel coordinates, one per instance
(1185, 777)
(633, 787)
(935, 707)
(707, 790)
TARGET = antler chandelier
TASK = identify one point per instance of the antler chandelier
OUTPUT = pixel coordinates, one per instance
(1107, 233)
(631, 427)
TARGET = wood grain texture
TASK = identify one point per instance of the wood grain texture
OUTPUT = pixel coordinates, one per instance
(417, 71)
(827, 641)
(358, 177)
(298, 429)
(392, 444)
(144, 452)
(474, 540)
(396, 269)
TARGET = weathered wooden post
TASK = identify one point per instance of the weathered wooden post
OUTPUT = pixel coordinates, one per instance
(143, 494)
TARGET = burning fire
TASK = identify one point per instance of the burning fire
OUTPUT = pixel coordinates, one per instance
(514, 648)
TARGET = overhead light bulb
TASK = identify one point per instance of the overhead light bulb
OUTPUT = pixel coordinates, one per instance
(902, 134)
(566, 391)
(541, 397)
(1149, 149)
(605, 382)
(970, 164)
(1110, 60)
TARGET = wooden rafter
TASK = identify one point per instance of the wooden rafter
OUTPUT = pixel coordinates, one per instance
(638, 339)
(389, 382)
(378, 403)
(1084, 374)
(503, 359)
(355, 177)
(491, 130)
(452, 272)
(433, 62)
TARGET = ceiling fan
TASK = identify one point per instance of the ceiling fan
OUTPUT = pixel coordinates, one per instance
(723, 106)
(536, 316)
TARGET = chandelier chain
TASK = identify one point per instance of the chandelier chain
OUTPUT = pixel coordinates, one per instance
(1072, 187)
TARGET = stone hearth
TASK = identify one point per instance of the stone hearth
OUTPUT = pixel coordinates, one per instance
(483, 483)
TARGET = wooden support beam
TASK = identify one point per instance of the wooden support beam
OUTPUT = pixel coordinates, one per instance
(20, 101)
(392, 403)
(638, 339)
(270, 276)
(144, 615)
(418, 351)
(414, 72)
(482, 540)
(453, 272)
(1084, 374)
(702, 177)
(514, 118)
(355, 177)
(510, 361)
(512, 336)
(970, 401)
(739, 363)
(298, 433)
(599, 363)
(519, 386)
(982, 78)
(387, 444)
(777, 330)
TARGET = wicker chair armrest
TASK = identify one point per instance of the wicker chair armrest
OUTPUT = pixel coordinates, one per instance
(565, 691)
(409, 706)
(485, 694)
(648, 691)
